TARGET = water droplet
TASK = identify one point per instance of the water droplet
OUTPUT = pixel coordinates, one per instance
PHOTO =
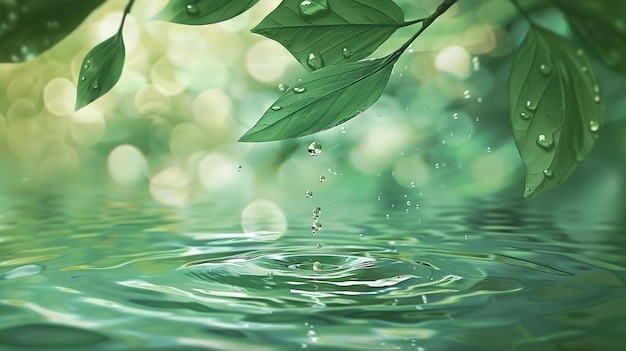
(87, 64)
(360, 235)
(192, 10)
(531, 106)
(270, 275)
(466, 94)
(545, 70)
(548, 173)
(475, 63)
(346, 52)
(455, 115)
(313, 8)
(239, 168)
(276, 108)
(299, 90)
(584, 69)
(315, 148)
(408, 202)
(412, 184)
(597, 98)
(580, 52)
(526, 115)
(83, 78)
(317, 211)
(387, 216)
(544, 142)
(318, 246)
(594, 126)
(317, 266)
(466, 237)
(316, 226)
(314, 61)
(95, 86)
(488, 148)
(322, 179)
(437, 165)
(308, 194)
(282, 87)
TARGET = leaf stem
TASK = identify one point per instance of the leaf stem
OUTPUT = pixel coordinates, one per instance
(126, 12)
(410, 23)
(443, 7)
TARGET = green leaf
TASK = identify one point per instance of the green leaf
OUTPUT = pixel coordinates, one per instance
(201, 12)
(324, 99)
(100, 70)
(323, 33)
(30, 27)
(600, 24)
(556, 109)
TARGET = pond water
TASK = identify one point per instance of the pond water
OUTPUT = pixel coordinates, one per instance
(99, 267)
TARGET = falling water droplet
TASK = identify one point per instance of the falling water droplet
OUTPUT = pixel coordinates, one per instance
(315, 148)
(314, 61)
(313, 8)
(531, 106)
(544, 142)
(299, 90)
(594, 126)
(192, 9)
(317, 266)
(316, 226)
(322, 179)
(276, 108)
(308, 194)
(346, 52)
(316, 211)
(239, 168)
(526, 115)
(548, 173)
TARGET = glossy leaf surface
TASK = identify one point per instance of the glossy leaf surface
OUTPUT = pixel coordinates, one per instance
(201, 12)
(601, 25)
(324, 99)
(100, 70)
(556, 108)
(30, 27)
(323, 33)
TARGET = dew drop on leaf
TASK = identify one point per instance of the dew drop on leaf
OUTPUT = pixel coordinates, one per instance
(545, 70)
(596, 98)
(548, 173)
(192, 9)
(346, 52)
(313, 8)
(544, 142)
(531, 106)
(276, 108)
(314, 61)
(299, 90)
(594, 126)
(315, 148)
(526, 115)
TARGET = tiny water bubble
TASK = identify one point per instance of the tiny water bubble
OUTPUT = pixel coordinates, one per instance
(314, 148)
(308, 194)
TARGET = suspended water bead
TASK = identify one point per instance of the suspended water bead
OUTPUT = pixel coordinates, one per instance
(544, 141)
(548, 173)
(192, 9)
(313, 8)
(314, 61)
(299, 90)
(316, 211)
(545, 70)
(315, 148)
(308, 194)
(346, 52)
(322, 179)
(316, 226)
(239, 168)
(317, 266)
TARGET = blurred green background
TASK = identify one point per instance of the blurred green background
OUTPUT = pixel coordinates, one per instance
(187, 93)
